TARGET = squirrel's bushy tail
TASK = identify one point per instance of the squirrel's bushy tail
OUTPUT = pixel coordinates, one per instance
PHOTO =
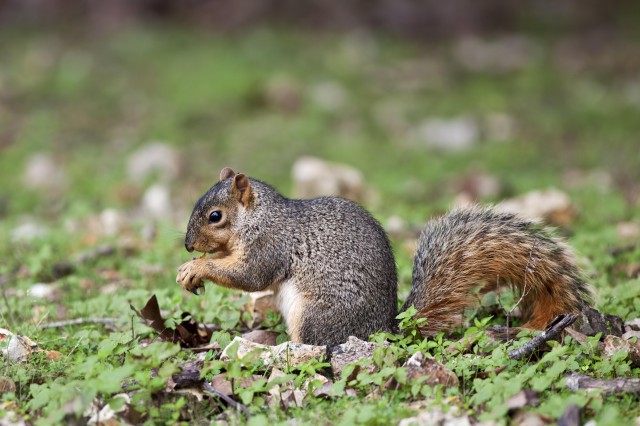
(471, 251)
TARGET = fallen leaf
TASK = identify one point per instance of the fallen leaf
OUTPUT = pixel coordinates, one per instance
(262, 337)
(452, 417)
(522, 399)
(222, 384)
(433, 373)
(527, 418)
(259, 303)
(6, 385)
(53, 355)
(187, 333)
(591, 322)
(614, 344)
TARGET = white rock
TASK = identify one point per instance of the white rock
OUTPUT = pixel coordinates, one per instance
(437, 417)
(105, 415)
(28, 231)
(455, 134)
(283, 356)
(628, 231)
(328, 95)
(153, 158)
(351, 351)
(395, 225)
(19, 347)
(314, 177)
(156, 201)
(42, 290)
(42, 172)
(549, 205)
(111, 221)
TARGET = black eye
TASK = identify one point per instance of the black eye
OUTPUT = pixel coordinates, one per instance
(215, 216)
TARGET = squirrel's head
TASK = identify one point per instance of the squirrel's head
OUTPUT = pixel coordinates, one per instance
(211, 226)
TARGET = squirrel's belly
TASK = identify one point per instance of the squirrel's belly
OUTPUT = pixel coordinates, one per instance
(290, 303)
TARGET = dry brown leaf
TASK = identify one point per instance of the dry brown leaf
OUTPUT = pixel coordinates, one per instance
(522, 399)
(262, 337)
(260, 302)
(613, 344)
(226, 387)
(187, 333)
(429, 370)
(6, 385)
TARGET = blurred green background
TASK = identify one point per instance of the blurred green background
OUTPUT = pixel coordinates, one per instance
(116, 116)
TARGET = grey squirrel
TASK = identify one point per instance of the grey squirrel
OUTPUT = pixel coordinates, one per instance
(331, 267)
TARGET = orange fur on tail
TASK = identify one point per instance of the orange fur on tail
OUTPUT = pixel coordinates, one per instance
(470, 252)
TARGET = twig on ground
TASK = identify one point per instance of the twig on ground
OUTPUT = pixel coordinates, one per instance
(553, 330)
(617, 385)
(94, 253)
(617, 251)
(529, 267)
(230, 401)
(78, 321)
(3, 280)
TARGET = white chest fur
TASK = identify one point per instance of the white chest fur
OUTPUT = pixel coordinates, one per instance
(290, 303)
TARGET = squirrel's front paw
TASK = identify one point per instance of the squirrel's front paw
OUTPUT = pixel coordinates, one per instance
(190, 276)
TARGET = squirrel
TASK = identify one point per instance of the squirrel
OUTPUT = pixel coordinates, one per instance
(332, 270)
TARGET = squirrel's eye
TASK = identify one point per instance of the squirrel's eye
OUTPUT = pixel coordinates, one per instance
(215, 216)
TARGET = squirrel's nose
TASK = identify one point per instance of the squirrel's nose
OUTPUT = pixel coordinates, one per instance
(188, 247)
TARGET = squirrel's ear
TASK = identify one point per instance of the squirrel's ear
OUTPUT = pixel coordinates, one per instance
(242, 188)
(226, 173)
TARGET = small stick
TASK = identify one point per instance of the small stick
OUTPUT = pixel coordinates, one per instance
(617, 251)
(78, 321)
(3, 280)
(617, 385)
(553, 330)
(529, 267)
(230, 401)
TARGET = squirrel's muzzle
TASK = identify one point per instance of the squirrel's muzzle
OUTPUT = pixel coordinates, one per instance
(188, 247)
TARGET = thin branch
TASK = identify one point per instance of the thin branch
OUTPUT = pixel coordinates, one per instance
(617, 385)
(553, 330)
(617, 251)
(529, 267)
(78, 321)
(230, 401)
(4, 280)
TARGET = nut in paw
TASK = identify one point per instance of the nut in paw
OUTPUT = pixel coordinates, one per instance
(190, 276)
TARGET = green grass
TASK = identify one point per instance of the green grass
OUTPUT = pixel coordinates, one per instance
(90, 101)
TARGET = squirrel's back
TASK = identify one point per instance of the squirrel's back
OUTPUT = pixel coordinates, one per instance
(471, 251)
(343, 266)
